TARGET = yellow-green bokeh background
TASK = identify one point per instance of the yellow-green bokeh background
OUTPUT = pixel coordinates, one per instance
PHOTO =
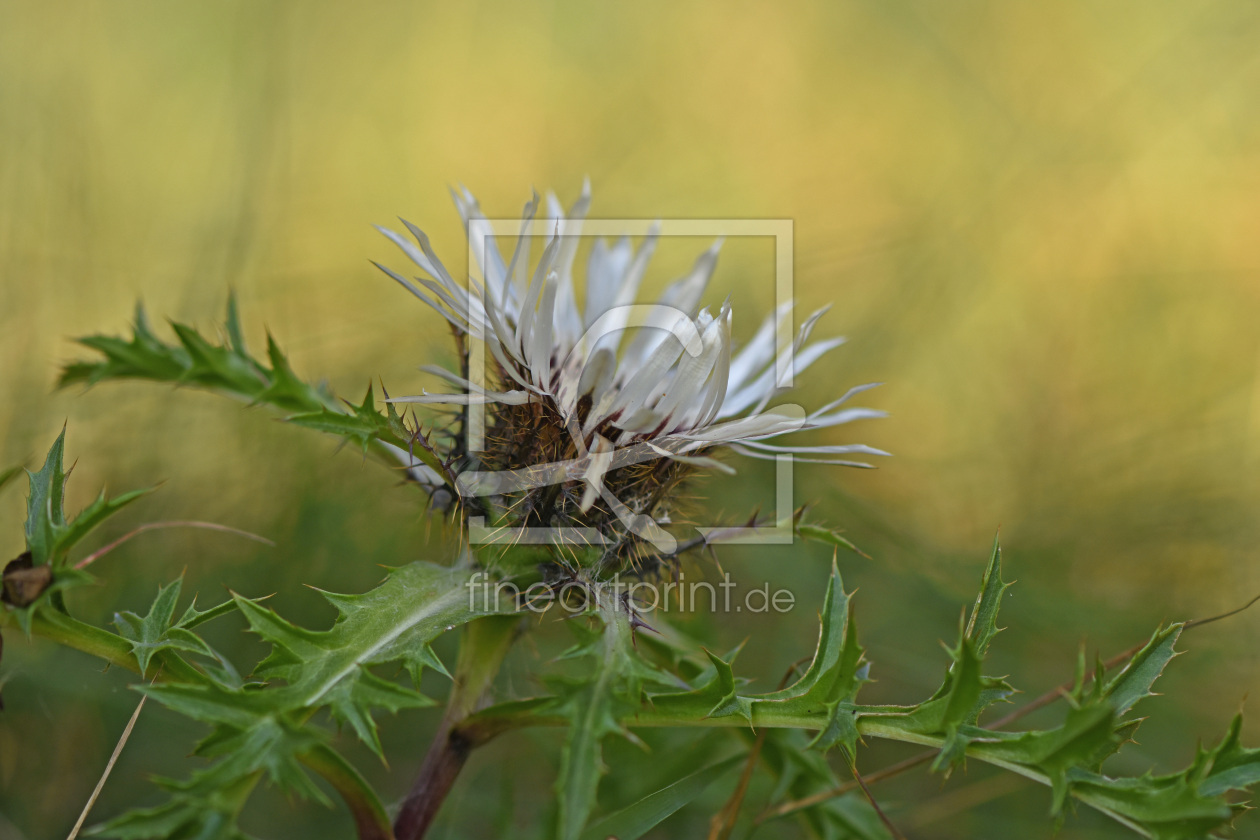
(1039, 223)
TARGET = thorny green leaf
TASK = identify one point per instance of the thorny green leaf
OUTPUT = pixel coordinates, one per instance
(829, 685)
(265, 731)
(229, 368)
(226, 366)
(207, 805)
(828, 536)
(1139, 674)
(395, 622)
(259, 729)
(982, 626)
(800, 772)
(1067, 757)
(364, 424)
(155, 632)
(49, 536)
(595, 705)
(194, 617)
(40, 576)
(205, 813)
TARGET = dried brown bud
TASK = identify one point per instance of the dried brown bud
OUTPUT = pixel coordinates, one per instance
(24, 581)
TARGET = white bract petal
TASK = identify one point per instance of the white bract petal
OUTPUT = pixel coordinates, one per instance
(617, 373)
(601, 459)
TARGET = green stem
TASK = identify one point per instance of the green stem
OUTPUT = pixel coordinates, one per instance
(483, 645)
(494, 721)
(370, 819)
(70, 632)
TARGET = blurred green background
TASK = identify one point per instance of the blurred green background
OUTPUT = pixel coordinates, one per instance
(1038, 223)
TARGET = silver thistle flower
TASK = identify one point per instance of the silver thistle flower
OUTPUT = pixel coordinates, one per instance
(597, 412)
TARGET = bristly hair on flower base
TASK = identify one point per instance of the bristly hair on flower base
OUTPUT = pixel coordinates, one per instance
(593, 415)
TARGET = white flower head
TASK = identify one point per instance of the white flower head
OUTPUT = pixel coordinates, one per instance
(599, 410)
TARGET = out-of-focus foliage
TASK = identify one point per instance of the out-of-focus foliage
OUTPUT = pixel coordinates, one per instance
(1036, 221)
(262, 730)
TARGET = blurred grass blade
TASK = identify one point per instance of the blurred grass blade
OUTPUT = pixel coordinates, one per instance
(8, 475)
(633, 821)
(157, 526)
(109, 768)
